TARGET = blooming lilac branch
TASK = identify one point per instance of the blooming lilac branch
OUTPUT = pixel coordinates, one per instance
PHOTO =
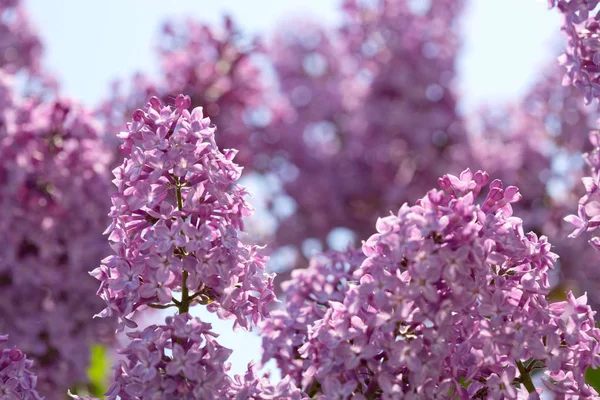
(176, 217)
(450, 302)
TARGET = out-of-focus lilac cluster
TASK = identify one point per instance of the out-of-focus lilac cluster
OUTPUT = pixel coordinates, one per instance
(55, 182)
(20, 47)
(176, 219)
(371, 105)
(450, 302)
(581, 58)
(17, 382)
(214, 66)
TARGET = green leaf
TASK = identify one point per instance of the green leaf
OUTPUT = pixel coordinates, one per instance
(98, 370)
(592, 378)
(465, 384)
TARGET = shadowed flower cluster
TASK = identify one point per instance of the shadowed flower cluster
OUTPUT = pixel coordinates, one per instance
(54, 181)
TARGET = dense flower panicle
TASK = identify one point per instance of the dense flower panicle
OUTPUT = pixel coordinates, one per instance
(307, 295)
(176, 217)
(17, 382)
(55, 182)
(452, 292)
(20, 47)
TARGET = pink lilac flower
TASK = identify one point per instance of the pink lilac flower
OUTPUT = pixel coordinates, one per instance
(17, 382)
(55, 182)
(176, 218)
(452, 291)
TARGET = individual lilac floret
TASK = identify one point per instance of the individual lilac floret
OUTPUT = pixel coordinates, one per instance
(452, 294)
(17, 382)
(307, 295)
(176, 218)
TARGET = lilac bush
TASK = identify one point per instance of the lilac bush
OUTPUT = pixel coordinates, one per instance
(468, 291)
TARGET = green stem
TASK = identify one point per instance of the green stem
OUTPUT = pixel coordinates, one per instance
(184, 305)
(525, 377)
(178, 190)
(161, 306)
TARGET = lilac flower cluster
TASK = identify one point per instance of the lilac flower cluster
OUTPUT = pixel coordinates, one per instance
(17, 382)
(451, 302)
(176, 217)
(307, 295)
(54, 180)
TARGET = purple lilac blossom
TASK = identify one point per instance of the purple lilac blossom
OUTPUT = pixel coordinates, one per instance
(55, 182)
(17, 382)
(452, 292)
(177, 215)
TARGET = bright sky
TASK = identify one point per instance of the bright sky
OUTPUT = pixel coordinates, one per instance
(89, 43)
